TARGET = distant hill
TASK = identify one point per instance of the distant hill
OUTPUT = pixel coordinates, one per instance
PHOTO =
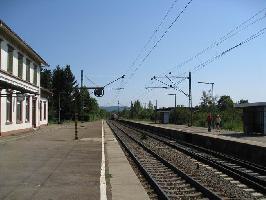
(113, 108)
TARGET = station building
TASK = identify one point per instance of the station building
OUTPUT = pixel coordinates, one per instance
(23, 103)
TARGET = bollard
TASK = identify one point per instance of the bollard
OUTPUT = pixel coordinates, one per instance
(76, 126)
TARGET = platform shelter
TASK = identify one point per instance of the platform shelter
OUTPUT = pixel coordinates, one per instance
(164, 115)
(254, 117)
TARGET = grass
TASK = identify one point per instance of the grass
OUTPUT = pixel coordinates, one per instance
(108, 177)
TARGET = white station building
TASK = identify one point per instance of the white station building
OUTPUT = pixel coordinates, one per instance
(23, 103)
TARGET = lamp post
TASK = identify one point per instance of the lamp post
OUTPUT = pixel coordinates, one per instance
(118, 109)
(59, 106)
(208, 83)
(59, 109)
(175, 119)
(212, 84)
(175, 98)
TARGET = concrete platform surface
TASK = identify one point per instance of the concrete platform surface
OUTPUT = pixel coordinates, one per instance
(255, 139)
(124, 183)
(49, 164)
(253, 151)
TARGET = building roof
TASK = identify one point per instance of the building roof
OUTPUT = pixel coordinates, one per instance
(245, 105)
(8, 32)
(165, 109)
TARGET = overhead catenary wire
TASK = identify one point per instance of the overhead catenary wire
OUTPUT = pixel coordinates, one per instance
(114, 81)
(163, 35)
(134, 70)
(156, 30)
(223, 53)
(210, 60)
(257, 17)
(143, 49)
(90, 80)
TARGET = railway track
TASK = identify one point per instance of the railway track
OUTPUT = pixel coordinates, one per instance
(252, 177)
(167, 181)
(248, 173)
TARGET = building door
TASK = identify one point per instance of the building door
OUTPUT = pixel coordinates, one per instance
(34, 113)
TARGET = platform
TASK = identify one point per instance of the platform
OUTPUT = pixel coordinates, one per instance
(124, 182)
(251, 148)
(49, 164)
(256, 139)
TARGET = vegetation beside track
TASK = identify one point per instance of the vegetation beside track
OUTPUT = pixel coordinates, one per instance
(223, 106)
(66, 95)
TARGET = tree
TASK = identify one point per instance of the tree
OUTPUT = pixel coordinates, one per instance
(225, 103)
(180, 115)
(63, 85)
(69, 86)
(136, 110)
(46, 79)
(150, 105)
(207, 101)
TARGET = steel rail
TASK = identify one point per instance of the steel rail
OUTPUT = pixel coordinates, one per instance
(159, 191)
(244, 177)
(205, 191)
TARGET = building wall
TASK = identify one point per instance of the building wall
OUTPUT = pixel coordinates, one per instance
(6, 127)
(43, 120)
(4, 57)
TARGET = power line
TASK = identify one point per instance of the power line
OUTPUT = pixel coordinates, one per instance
(154, 33)
(163, 35)
(244, 25)
(114, 80)
(230, 34)
(90, 80)
(209, 61)
(160, 39)
(223, 53)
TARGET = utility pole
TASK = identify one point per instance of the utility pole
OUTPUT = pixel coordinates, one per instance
(212, 90)
(156, 111)
(59, 109)
(82, 99)
(131, 110)
(173, 86)
(175, 101)
(118, 108)
(190, 99)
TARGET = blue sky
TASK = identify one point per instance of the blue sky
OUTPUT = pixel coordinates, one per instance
(104, 37)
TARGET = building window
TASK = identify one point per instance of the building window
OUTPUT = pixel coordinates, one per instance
(44, 110)
(40, 110)
(20, 65)
(35, 75)
(27, 70)
(10, 60)
(19, 108)
(9, 108)
(27, 117)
